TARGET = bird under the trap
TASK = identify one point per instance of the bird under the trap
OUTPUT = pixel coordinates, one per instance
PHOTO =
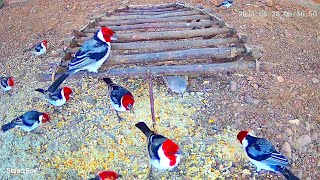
(177, 84)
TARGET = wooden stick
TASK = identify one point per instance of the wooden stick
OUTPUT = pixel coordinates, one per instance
(203, 53)
(130, 10)
(152, 6)
(151, 99)
(173, 14)
(170, 45)
(150, 13)
(146, 26)
(154, 20)
(164, 70)
(164, 35)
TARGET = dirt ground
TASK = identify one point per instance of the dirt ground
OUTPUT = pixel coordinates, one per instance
(280, 104)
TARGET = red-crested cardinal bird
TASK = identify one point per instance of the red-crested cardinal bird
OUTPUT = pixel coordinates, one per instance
(90, 56)
(264, 155)
(58, 98)
(120, 98)
(6, 83)
(106, 175)
(28, 121)
(164, 153)
(226, 3)
(39, 49)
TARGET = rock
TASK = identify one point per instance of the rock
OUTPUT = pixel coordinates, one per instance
(249, 78)
(279, 136)
(318, 164)
(250, 100)
(255, 86)
(315, 80)
(286, 150)
(74, 147)
(269, 3)
(288, 132)
(280, 79)
(91, 100)
(307, 126)
(233, 86)
(314, 136)
(294, 121)
(303, 140)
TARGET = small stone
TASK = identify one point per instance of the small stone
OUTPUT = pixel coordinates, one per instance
(299, 175)
(255, 86)
(315, 80)
(233, 86)
(279, 136)
(294, 121)
(280, 79)
(318, 164)
(248, 99)
(314, 136)
(288, 132)
(91, 100)
(286, 150)
(74, 147)
(303, 140)
(269, 3)
(249, 78)
(307, 126)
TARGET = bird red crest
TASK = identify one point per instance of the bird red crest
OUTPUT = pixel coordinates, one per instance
(126, 100)
(170, 149)
(67, 92)
(108, 175)
(107, 33)
(45, 117)
(11, 82)
(241, 135)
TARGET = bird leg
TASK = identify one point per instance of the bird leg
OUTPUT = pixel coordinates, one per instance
(119, 118)
(150, 174)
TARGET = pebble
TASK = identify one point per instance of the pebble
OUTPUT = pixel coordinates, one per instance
(91, 100)
(286, 150)
(280, 79)
(288, 132)
(314, 136)
(294, 121)
(315, 80)
(269, 3)
(249, 78)
(255, 86)
(318, 164)
(279, 136)
(233, 86)
(250, 100)
(304, 140)
(307, 126)
(74, 147)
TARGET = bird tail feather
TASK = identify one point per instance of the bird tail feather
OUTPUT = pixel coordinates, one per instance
(55, 85)
(41, 90)
(289, 175)
(8, 126)
(108, 81)
(144, 128)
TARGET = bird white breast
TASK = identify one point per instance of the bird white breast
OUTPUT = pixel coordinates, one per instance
(164, 162)
(59, 102)
(116, 106)
(258, 164)
(93, 67)
(7, 88)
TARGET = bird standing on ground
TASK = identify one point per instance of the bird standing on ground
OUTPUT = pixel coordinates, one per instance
(177, 84)
(6, 83)
(120, 98)
(39, 49)
(164, 153)
(91, 55)
(106, 175)
(264, 155)
(28, 121)
(58, 98)
(226, 3)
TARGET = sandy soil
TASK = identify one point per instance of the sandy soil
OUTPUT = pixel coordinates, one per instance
(281, 104)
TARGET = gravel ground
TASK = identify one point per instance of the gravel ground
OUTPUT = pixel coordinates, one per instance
(280, 104)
